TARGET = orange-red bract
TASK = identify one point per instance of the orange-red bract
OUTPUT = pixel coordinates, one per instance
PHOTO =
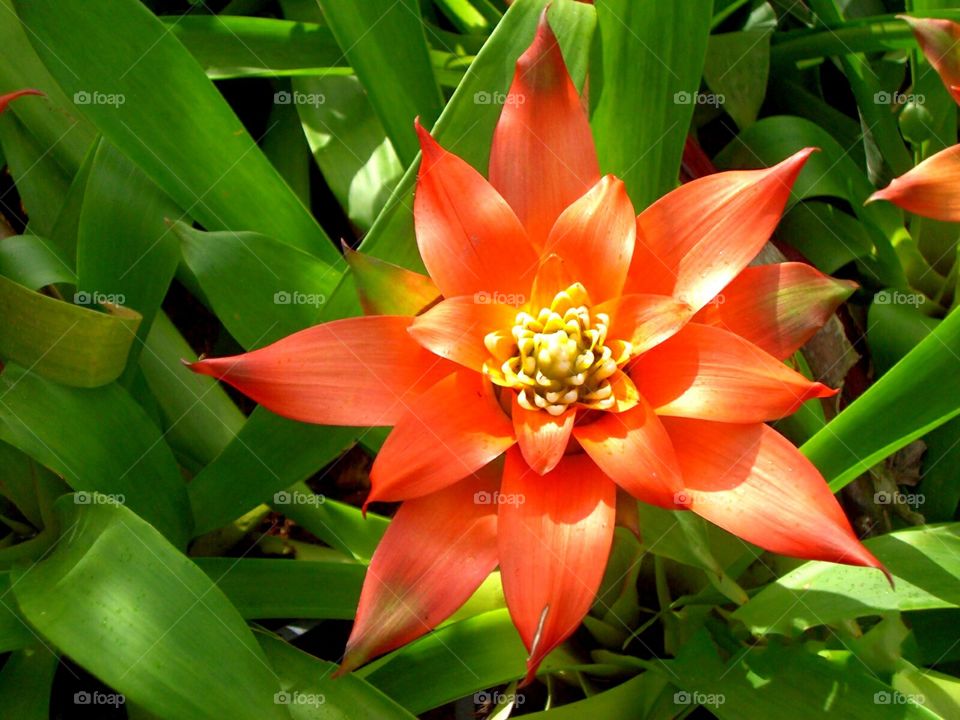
(577, 351)
(932, 188)
(8, 98)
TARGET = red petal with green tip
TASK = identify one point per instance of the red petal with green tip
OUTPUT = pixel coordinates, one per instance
(436, 552)
(777, 307)
(388, 289)
(940, 42)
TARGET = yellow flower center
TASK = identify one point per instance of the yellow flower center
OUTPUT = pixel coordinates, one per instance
(559, 356)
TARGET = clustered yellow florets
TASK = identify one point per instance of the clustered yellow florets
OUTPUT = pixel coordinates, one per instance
(559, 357)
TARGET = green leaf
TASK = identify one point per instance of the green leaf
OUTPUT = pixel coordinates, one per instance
(70, 344)
(683, 536)
(233, 46)
(25, 683)
(665, 44)
(826, 236)
(199, 419)
(349, 145)
(52, 120)
(454, 661)
(34, 262)
(18, 482)
(936, 691)
(763, 681)
(138, 270)
(829, 172)
(940, 485)
(341, 526)
(286, 146)
(310, 693)
(41, 182)
(640, 698)
(14, 632)
(736, 68)
(384, 41)
(283, 288)
(880, 123)
(893, 330)
(67, 226)
(925, 563)
(145, 95)
(120, 453)
(269, 454)
(132, 610)
(466, 127)
(919, 393)
(261, 589)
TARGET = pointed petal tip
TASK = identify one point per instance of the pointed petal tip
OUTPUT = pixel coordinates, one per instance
(845, 288)
(819, 390)
(5, 100)
(864, 558)
(351, 660)
(882, 568)
(206, 366)
(795, 163)
(543, 24)
(532, 666)
(428, 146)
(883, 194)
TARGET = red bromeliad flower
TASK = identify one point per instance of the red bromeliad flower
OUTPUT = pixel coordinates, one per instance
(932, 188)
(567, 349)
